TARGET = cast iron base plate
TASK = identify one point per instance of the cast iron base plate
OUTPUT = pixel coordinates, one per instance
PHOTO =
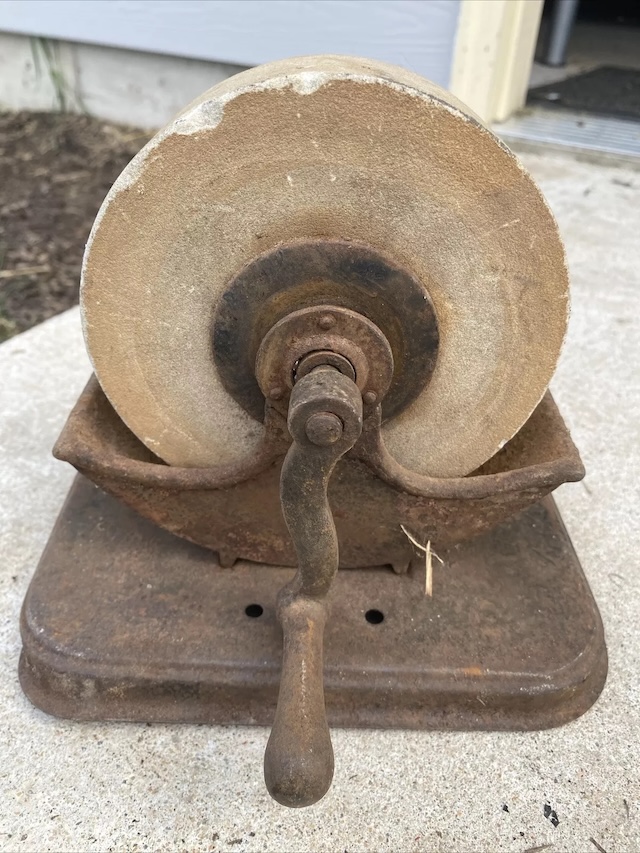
(124, 621)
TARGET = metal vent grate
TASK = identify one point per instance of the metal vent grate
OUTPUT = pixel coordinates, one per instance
(573, 131)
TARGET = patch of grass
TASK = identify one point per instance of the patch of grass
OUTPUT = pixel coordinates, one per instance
(67, 97)
(7, 327)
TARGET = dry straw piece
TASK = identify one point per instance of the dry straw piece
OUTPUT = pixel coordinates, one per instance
(428, 554)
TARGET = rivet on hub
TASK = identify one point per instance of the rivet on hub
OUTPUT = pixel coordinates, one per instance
(326, 322)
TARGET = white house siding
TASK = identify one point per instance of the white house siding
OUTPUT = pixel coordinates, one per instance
(139, 61)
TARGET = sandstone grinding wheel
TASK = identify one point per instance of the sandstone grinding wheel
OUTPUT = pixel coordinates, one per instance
(325, 148)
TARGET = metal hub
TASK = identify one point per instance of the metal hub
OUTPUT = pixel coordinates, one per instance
(305, 340)
(326, 276)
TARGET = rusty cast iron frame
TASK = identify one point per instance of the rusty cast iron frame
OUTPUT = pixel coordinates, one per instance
(98, 644)
(235, 510)
(125, 621)
(322, 377)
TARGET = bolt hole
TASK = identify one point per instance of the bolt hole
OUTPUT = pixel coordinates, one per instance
(254, 610)
(374, 617)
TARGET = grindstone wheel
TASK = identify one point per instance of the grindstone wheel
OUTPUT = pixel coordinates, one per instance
(326, 149)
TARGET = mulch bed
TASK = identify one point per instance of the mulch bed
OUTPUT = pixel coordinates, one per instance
(55, 170)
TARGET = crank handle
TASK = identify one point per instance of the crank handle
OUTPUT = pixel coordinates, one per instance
(325, 421)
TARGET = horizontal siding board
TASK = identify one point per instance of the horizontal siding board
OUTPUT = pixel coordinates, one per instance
(418, 34)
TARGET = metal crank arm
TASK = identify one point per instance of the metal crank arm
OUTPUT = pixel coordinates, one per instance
(325, 421)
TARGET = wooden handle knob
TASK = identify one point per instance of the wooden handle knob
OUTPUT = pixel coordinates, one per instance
(298, 762)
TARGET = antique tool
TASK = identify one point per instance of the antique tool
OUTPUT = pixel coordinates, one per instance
(323, 306)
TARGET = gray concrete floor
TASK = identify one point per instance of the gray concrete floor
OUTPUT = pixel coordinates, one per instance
(83, 787)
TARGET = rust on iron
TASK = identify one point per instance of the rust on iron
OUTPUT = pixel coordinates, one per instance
(324, 479)
(96, 645)
(298, 762)
(320, 357)
(221, 509)
(353, 345)
(304, 274)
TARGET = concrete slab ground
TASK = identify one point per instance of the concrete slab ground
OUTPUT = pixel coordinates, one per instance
(95, 787)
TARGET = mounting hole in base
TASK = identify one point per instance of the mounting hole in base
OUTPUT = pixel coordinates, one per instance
(374, 617)
(254, 610)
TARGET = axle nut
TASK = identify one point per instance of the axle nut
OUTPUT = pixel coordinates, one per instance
(323, 428)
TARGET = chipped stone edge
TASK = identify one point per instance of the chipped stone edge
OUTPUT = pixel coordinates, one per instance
(207, 115)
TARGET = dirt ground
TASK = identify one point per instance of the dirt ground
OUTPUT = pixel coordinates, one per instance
(55, 170)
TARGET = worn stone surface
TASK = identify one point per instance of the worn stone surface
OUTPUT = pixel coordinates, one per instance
(66, 786)
(325, 147)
